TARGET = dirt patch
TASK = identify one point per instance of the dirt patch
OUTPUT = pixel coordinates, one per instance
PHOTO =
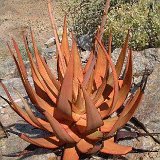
(17, 16)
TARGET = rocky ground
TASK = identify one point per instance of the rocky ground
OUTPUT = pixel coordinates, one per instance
(18, 16)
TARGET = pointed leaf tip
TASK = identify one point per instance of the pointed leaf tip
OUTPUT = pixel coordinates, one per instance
(65, 95)
(94, 119)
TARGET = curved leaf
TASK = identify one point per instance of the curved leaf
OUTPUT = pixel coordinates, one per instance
(65, 95)
(115, 149)
(70, 153)
(61, 56)
(65, 43)
(50, 142)
(127, 81)
(58, 129)
(94, 119)
(127, 112)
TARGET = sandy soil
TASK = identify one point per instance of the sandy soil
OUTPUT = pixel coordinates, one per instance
(17, 16)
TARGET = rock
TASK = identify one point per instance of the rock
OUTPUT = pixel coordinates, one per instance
(16, 83)
(52, 63)
(84, 56)
(14, 144)
(50, 42)
(49, 52)
(15, 73)
(142, 60)
(9, 70)
(85, 42)
(42, 154)
(2, 131)
(149, 110)
(60, 31)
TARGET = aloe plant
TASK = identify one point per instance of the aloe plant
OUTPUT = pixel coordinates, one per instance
(77, 106)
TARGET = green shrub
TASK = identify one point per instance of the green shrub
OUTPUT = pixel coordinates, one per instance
(141, 16)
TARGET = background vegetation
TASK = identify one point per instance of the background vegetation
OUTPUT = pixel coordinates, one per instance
(141, 16)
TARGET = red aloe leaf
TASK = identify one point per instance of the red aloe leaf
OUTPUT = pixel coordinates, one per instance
(59, 70)
(88, 63)
(108, 124)
(40, 103)
(28, 110)
(132, 102)
(127, 81)
(100, 67)
(105, 108)
(24, 115)
(115, 149)
(110, 44)
(128, 111)
(90, 84)
(94, 119)
(104, 19)
(21, 113)
(6, 91)
(38, 78)
(65, 95)
(96, 136)
(40, 91)
(89, 71)
(19, 110)
(120, 60)
(38, 86)
(115, 77)
(83, 146)
(38, 121)
(77, 67)
(61, 56)
(23, 77)
(21, 64)
(58, 129)
(70, 153)
(79, 106)
(122, 56)
(106, 92)
(105, 102)
(21, 68)
(96, 148)
(52, 77)
(100, 91)
(41, 85)
(72, 131)
(50, 142)
(81, 125)
(42, 68)
(65, 43)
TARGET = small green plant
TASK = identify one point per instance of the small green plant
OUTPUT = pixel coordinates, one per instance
(141, 16)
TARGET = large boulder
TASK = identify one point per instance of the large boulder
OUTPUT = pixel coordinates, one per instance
(149, 110)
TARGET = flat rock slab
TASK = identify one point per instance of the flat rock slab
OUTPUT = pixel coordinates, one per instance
(13, 143)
